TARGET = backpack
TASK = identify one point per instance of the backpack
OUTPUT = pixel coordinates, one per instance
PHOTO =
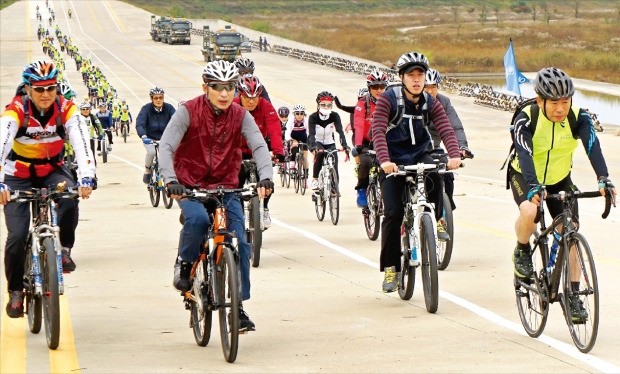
(400, 109)
(535, 111)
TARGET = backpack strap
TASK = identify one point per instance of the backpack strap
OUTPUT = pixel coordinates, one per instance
(367, 105)
(400, 107)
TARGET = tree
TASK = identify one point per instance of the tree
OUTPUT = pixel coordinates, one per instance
(576, 8)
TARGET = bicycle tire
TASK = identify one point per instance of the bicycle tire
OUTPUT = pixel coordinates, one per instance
(406, 282)
(444, 253)
(532, 297)
(256, 235)
(372, 219)
(124, 133)
(303, 177)
(287, 176)
(228, 290)
(296, 178)
(201, 317)
(428, 249)
(154, 192)
(334, 197)
(583, 333)
(104, 151)
(51, 302)
(33, 301)
(168, 201)
(319, 203)
(282, 171)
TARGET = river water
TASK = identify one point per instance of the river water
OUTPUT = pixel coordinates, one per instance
(606, 107)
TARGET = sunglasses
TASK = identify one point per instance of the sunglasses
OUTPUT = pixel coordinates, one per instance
(326, 105)
(219, 87)
(378, 87)
(158, 97)
(248, 98)
(299, 113)
(41, 89)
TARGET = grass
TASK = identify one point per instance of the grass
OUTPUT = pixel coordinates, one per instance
(467, 36)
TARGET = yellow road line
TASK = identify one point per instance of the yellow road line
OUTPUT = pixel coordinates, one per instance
(117, 20)
(95, 18)
(12, 344)
(64, 359)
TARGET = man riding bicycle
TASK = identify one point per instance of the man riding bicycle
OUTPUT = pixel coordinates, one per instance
(150, 125)
(33, 128)
(405, 140)
(201, 146)
(545, 156)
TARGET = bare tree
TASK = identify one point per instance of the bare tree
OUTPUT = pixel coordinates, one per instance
(534, 12)
(576, 8)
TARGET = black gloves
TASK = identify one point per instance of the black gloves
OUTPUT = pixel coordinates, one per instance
(280, 158)
(175, 188)
(266, 183)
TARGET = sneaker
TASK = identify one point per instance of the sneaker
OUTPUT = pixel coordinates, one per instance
(146, 178)
(266, 219)
(578, 313)
(390, 281)
(99, 154)
(245, 323)
(361, 198)
(110, 149)
(292, 165)
(522, 259)
(15, 306)
(67, 263)
(442, 234)
(181, 279)
(315, 184)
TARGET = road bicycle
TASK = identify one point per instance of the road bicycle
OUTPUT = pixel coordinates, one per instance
(419, 233)
(255, 211)
(565, 273)
(328, 188)
(374, 210)
(215, 275)
(156, 186)
(43, 276)
(284, 171)
(299, 174)
(103, 148)
(124, 130)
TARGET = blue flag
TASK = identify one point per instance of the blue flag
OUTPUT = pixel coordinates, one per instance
(513, 75)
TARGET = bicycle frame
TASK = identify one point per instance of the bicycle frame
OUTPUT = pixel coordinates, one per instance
(324, 182)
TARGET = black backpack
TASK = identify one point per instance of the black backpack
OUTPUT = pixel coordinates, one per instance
(400, 107)
(535, 111)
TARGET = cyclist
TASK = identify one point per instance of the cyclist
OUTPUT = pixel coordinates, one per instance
(283, 114)
(264, 114)
(95, 130)
(433, 80)
(376, 82)
(246, 67)
(203, 120)
(150, 125)
(69, 13)
(66, 91)
(406, 142)
(322, 125)
(35, 125)
(553, 143)
(105, 118)
(125, 116)
(296, 132)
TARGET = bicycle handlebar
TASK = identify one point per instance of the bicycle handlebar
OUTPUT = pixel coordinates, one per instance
(206, 194)
(570, 195)
(22, 196)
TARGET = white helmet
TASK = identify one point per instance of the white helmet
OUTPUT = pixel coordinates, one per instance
(433, 77)
(411, 59)
(220, 71)
(299, 108)
(85, 105)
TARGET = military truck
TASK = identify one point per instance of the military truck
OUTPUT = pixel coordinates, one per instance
(221, 45)
(157, 26)
(177, 30)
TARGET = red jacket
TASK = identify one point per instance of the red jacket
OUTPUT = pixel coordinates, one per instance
(268, 122)
(209, 154)
(361, 121)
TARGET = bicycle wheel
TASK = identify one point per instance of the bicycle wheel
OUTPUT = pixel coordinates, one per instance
(581, 267)
(406, 282)
(33, 301)
(154, 192)
(532, 297)
(372, 219)
(296, 178)
(51, 304)
(201, 316)
(428, 249)
(104, 150)
(167, 199)
(303, 178)
(256, 235)
(227, 288)
(444, 251)
(334, 197)
(124, 133)
(282, 172)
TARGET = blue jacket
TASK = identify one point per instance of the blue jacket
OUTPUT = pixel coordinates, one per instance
(105, 118)
(153, 123)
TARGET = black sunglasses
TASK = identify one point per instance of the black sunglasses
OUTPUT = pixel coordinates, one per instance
(299, 113)
(222, 86)
(41, 89)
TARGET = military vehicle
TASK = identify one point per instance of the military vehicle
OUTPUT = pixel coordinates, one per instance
(157, 26)
(177, 30)
(221, 45)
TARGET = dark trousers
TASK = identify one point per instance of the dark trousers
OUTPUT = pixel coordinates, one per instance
(392, 193)
(17, 218)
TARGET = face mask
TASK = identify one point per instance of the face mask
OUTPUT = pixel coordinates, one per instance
(325, 112)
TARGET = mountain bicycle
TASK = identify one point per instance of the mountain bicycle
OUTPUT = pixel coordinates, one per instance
(43, 279)
(255, 211)
(284, 171)
(103, 148)
(328, 188)
(565, 273)
(124, 130)
(299, 174)
(215, 275)
(156, 186)
(374, 210)
(419, 232)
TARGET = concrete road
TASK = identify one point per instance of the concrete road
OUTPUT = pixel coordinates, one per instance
(316, 297)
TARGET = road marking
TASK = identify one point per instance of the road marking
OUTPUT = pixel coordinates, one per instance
(12, 344)
(559, 346)
(64, 359)
(114, 17)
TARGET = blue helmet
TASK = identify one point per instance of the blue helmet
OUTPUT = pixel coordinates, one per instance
(39, 71)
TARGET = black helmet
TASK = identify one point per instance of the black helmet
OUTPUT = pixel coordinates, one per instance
(324, 95)
(552, 83)
(283, 111)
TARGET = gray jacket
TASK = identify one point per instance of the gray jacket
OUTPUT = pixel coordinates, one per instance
(455, 121)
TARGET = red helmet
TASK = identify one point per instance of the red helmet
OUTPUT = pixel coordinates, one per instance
(376, 78)
(250, 86)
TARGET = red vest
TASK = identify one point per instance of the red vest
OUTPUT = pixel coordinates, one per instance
(209, 155)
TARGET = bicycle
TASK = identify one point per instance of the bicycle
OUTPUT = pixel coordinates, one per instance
(124, 130)
(328, 189)
(215, 276)
(103, 146)
(373, 212)
(43, 279)
(299, 174)
(284, 171)
(560, 270)
(254, 214)
(156, 185)
(419, 230)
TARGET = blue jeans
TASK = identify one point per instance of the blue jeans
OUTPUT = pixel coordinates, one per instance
(197, 225)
